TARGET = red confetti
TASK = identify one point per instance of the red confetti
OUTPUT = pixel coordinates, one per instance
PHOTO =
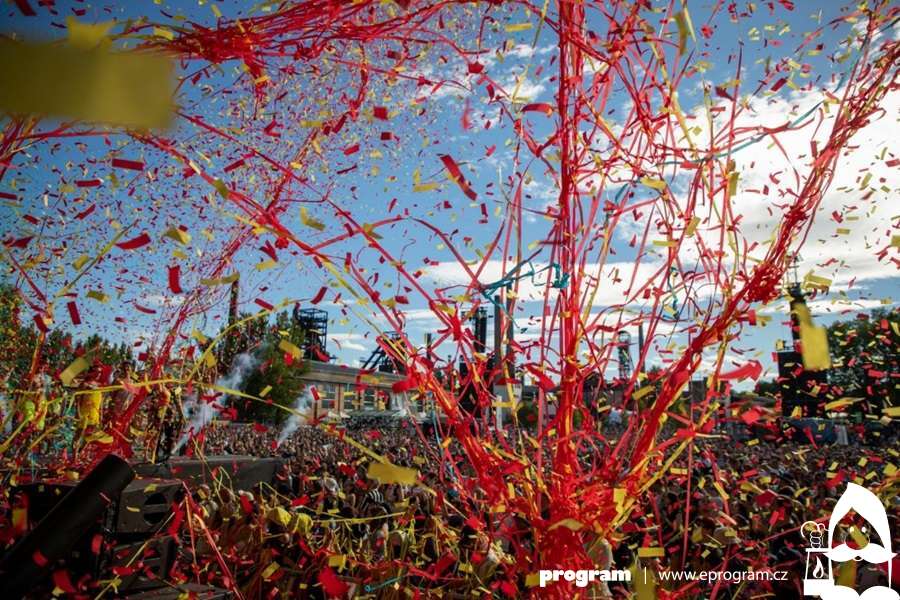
(331, 585)
(457, 176)
(134, 165)
(135, 243)
(175, 279)
(73, 313)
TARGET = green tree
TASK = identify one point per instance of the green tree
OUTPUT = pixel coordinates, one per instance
(19, 337)
(13, 360)
(767, 387)
(244, 338)
(864, 355)
(274, 368)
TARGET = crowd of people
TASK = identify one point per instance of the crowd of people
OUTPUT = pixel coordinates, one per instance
(328, 528)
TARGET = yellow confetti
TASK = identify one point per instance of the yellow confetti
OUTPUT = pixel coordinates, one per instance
(78, 366)
(337, 560)
(815, 282)
(685, 28)
(390, 473)
(222, 188)
(721, 490)
(514, 27)
(732, 183)
(290, 348)
(98, 296)
(309, 221)
(177, 235)
(840, 403)
(369, 230)
(865, 181)
(221, 280)
(691, 226)
(572, 524)
(163, 33)
(85, 35)
(98, 85)
(269, 570)
(638, 394)
(656, 184)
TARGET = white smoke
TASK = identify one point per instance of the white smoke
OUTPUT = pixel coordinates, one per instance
(301, 405)
(198, 413)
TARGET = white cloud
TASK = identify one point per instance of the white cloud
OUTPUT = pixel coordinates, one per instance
(163, 300)
(527, 51)
(827, 306)
(614, 284)
(849, 232)
(419, 314)
(842, 251)
(523, 89)
(351, 341)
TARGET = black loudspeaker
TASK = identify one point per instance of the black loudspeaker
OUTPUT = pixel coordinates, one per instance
(63, 527)
(796, 385)
(141, 508)
(141, 565)
(128, 526)
(145, 504)
(239, 472)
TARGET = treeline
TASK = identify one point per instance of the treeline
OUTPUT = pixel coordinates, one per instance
(273, 373)
(865, 361)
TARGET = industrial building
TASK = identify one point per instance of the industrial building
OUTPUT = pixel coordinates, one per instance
(341, 390)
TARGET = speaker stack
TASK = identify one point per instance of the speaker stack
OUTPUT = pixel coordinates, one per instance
(129, 528)
(113, 525)
(237, 472)
(128, 540)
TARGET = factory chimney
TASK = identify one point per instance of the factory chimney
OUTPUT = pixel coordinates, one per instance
(233, 303)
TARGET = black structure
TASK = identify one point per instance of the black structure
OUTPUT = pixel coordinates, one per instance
(130, 525)
(479, 321)
(314, 324)
(623, 344)
(468, 396)
(129, 515)
(63, 527)
(233, 302)
(241, 472)
(381, 360)
(798, 385)
(200, 592)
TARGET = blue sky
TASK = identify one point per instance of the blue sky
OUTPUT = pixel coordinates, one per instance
(404, 175)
